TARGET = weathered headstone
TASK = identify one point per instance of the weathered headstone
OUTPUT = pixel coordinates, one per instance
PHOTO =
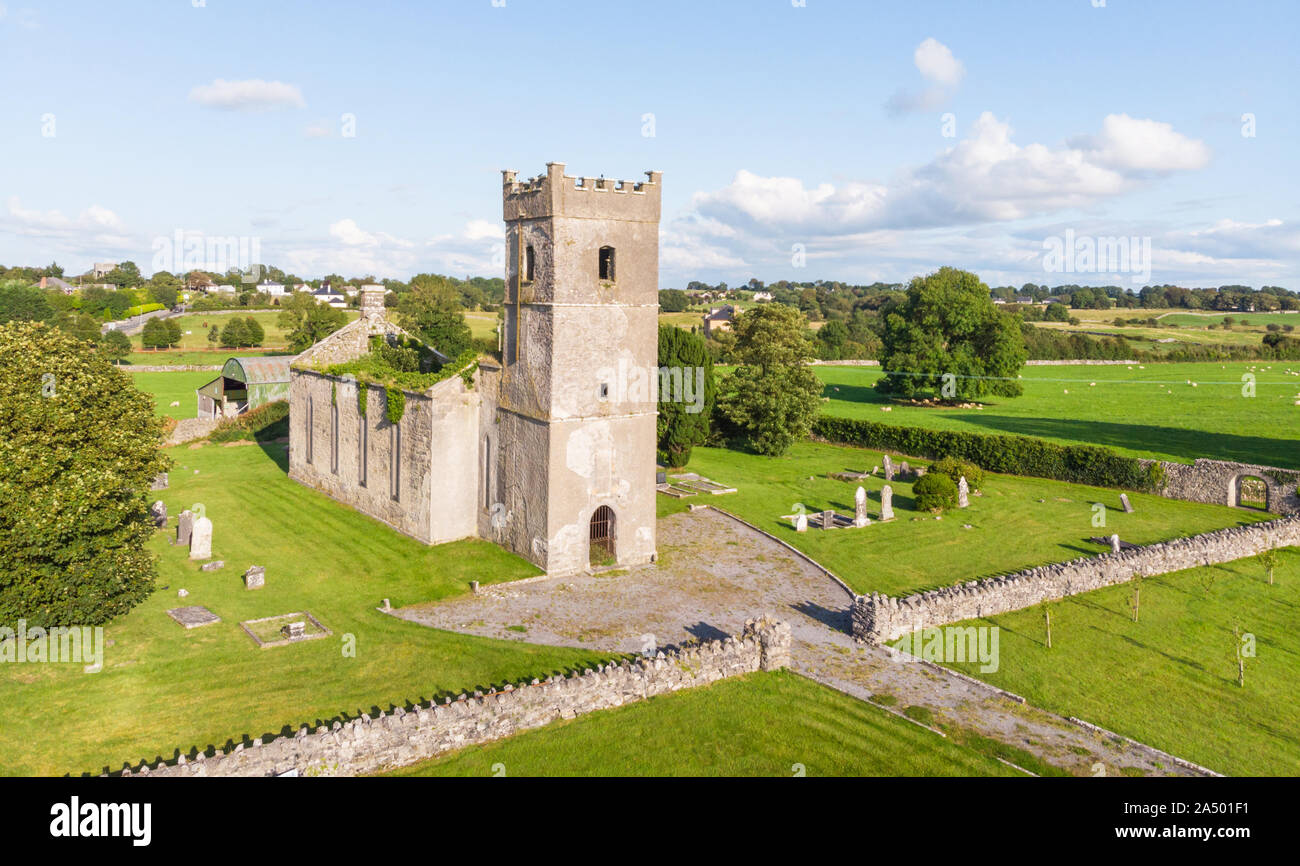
(158, 511)
(920, 471)
(860, 518)
(801, 523)
(1114, 544)
(184, 526)
(255, 577)
(828, 520)
(214, 565)
(963, 492)
(294, 630)
(387, 605)
(1123, 500)
(889, 468)
(159, 482)
(201, 539)
(886, 503)
(904, 470)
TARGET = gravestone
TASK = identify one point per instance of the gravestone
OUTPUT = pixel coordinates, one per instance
(159, 482)
(963, 493)
(387, 606)
(860, 518)
(1123, 500)
(886, 503)
(214, 565)
(255, 577)
(184, 526)
(920, 471)
(201, 539)
(889, 468)
(159, 513)
(801, 523)
(294, 630)
(904, 469)
(828, 520)
(1114, 544)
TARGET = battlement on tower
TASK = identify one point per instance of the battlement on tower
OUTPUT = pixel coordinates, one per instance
(555, 194)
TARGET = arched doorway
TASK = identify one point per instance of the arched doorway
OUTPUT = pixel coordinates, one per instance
(1249, 491)
(601, 537)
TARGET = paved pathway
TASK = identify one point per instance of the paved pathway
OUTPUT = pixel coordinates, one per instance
(713, 574)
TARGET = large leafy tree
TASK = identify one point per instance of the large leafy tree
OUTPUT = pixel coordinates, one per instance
(681, 426)
(771, 400)
(431, 310)
(306, 322)
(948, 324)
(79, 446)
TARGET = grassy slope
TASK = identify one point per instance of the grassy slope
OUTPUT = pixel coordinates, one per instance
(1149, 412)
(759, 725)
(164, 687)
(1171, 679)
(1012, 529)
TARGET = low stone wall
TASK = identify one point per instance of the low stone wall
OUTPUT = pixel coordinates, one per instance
(1215, 482)
(879, 618)
(370, 745)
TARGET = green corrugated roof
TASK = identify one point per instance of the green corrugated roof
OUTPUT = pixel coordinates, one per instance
(258, 371)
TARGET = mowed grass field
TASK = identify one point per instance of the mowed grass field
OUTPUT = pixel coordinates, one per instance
(198, 324)
(1149, 410)
(763, 724)
(173, 386)
(1170, 679)
(482, 325)
(164, 688)
(1010, 528)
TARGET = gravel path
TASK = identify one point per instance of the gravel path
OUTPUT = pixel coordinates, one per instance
(713, 574)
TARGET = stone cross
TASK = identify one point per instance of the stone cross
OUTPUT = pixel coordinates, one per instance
(184, 526)
(159, 513)
(963, 493)
(255, 577)
(801, 523)
(1114, 544)
(1123, 500)
(828, 520)
(886, 503)
(860, 518)
(889, 469)
(201, 539)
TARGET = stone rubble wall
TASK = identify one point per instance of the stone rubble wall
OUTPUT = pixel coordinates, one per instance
(1215, 482)
(370, 745)
(879, 618)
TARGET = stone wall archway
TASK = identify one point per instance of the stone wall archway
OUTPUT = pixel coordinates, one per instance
(1249, 491)
(602, 537)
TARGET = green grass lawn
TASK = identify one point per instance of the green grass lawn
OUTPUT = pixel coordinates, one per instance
(165, 688)
(1146, 411)
(185, 357)
(198, 325)
(1170, 679)
(1011, 528)
(482, 325)
(173, 386)
(765, 724)
(1253, 321)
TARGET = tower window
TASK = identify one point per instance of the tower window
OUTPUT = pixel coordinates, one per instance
(530, 261)
(607, 263)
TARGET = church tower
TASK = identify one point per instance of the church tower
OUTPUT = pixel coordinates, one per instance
(576, 404)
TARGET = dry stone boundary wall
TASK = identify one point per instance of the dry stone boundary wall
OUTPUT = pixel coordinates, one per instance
(370, 745)
(879, 618)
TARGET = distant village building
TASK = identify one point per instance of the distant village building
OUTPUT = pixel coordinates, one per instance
(762, 296)
(719, 319)
(273, 289)
(102, 269)
(327, 295)
(244, 383)
(549, 451)
(56, 283)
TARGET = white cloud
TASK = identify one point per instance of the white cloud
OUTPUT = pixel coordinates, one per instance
(936, 63)
(477, 230)
(1140, 145)
(252, 94)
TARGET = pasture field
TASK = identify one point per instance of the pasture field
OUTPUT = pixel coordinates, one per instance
(1255, 321)
(198, 325)
(1170, 679)
(762, 724)
(1150, 410)
(482, 325)
(164, 687)
(195, 357)
(1010, 528)
(176, 385)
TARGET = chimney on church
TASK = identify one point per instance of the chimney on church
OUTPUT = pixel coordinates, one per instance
(372, 303)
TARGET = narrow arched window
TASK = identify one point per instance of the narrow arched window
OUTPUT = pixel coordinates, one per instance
(607, 263)
(530, 263)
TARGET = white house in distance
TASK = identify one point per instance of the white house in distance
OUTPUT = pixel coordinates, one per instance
(275, 290)
(329, 295)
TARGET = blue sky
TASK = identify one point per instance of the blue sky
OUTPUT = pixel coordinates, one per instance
(780, 129)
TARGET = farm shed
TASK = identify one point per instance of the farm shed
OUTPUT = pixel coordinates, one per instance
(244, 383)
